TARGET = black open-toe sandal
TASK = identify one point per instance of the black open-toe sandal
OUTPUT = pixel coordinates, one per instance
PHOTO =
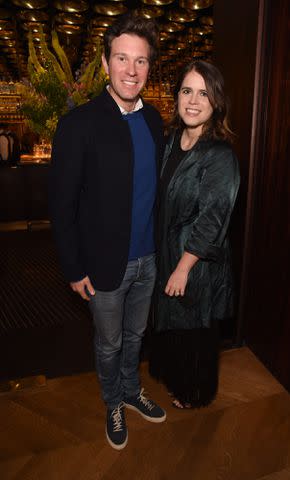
(180, 405)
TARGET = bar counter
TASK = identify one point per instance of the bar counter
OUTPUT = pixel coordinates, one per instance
(23, 190)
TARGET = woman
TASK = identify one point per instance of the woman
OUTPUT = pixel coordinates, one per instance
(199, 184)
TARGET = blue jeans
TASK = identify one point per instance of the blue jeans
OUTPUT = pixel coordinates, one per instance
(120, 319)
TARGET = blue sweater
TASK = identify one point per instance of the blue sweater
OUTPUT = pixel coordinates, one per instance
(144, 187)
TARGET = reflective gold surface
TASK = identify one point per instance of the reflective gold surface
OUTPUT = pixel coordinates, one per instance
(33, 16)
(110, 8)
(35, 27)
(71, 6)
(7, 34)
(206, 48)
(31, 4)
(165, 36)
(69, 29)
(196, 53)
(195, 4)
(36, 36)
(208, 41)
(150, 12)
(157, 2)
(172, 27)
(181, 15)
(98, 32)
(206, 20)
(203, 30)
(179, 45)
(102, 21)
(70, 18)
(9, 50)
(192, 36)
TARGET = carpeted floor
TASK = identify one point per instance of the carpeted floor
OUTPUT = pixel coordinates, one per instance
(44, 327)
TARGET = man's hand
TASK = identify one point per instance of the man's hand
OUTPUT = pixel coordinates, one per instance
(79, 287)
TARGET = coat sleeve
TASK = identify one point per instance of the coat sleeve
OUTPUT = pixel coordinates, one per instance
(218, 190)
(65, 183)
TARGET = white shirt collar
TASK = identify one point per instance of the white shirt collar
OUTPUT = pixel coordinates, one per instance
(138, 105)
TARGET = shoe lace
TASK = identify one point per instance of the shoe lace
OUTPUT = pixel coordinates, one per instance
(148, 403)
(117, 418)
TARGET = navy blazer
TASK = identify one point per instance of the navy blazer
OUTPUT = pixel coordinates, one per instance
(90, 189)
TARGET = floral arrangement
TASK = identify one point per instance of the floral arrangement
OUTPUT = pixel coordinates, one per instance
(52, 89)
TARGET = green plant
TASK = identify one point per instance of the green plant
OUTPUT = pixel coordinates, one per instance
(51, 89)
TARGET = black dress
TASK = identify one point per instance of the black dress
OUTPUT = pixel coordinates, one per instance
(184, 348)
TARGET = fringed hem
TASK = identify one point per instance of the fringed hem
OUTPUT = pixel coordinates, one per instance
(186, 361)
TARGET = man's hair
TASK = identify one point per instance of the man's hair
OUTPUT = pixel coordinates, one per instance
(133, 24)
(217, 126)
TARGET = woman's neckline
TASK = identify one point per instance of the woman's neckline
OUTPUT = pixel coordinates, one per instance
(195, 140)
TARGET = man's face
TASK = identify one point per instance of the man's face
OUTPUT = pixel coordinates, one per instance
(128, 68)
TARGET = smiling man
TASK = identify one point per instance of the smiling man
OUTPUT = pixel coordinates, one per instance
(128, 68)
(102, 194)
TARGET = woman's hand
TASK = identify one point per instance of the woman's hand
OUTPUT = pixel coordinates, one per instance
(176, 283)
(178, 279)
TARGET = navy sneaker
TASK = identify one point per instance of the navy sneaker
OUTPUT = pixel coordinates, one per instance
(116, 429)
(147, 408)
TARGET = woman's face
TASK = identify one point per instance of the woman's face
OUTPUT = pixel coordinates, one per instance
(194, 107)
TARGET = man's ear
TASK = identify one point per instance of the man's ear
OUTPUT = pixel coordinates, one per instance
(105, 64)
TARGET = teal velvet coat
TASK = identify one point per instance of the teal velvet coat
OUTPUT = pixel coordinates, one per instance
(196, 212)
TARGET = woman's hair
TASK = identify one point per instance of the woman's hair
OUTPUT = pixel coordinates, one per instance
(217, 126)
(133, 24)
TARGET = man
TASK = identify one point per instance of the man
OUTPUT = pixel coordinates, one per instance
(6, 146)
(102, 192)
(9, 147)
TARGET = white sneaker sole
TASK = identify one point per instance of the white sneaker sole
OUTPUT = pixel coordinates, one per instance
(114, 445)
(149, 419)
